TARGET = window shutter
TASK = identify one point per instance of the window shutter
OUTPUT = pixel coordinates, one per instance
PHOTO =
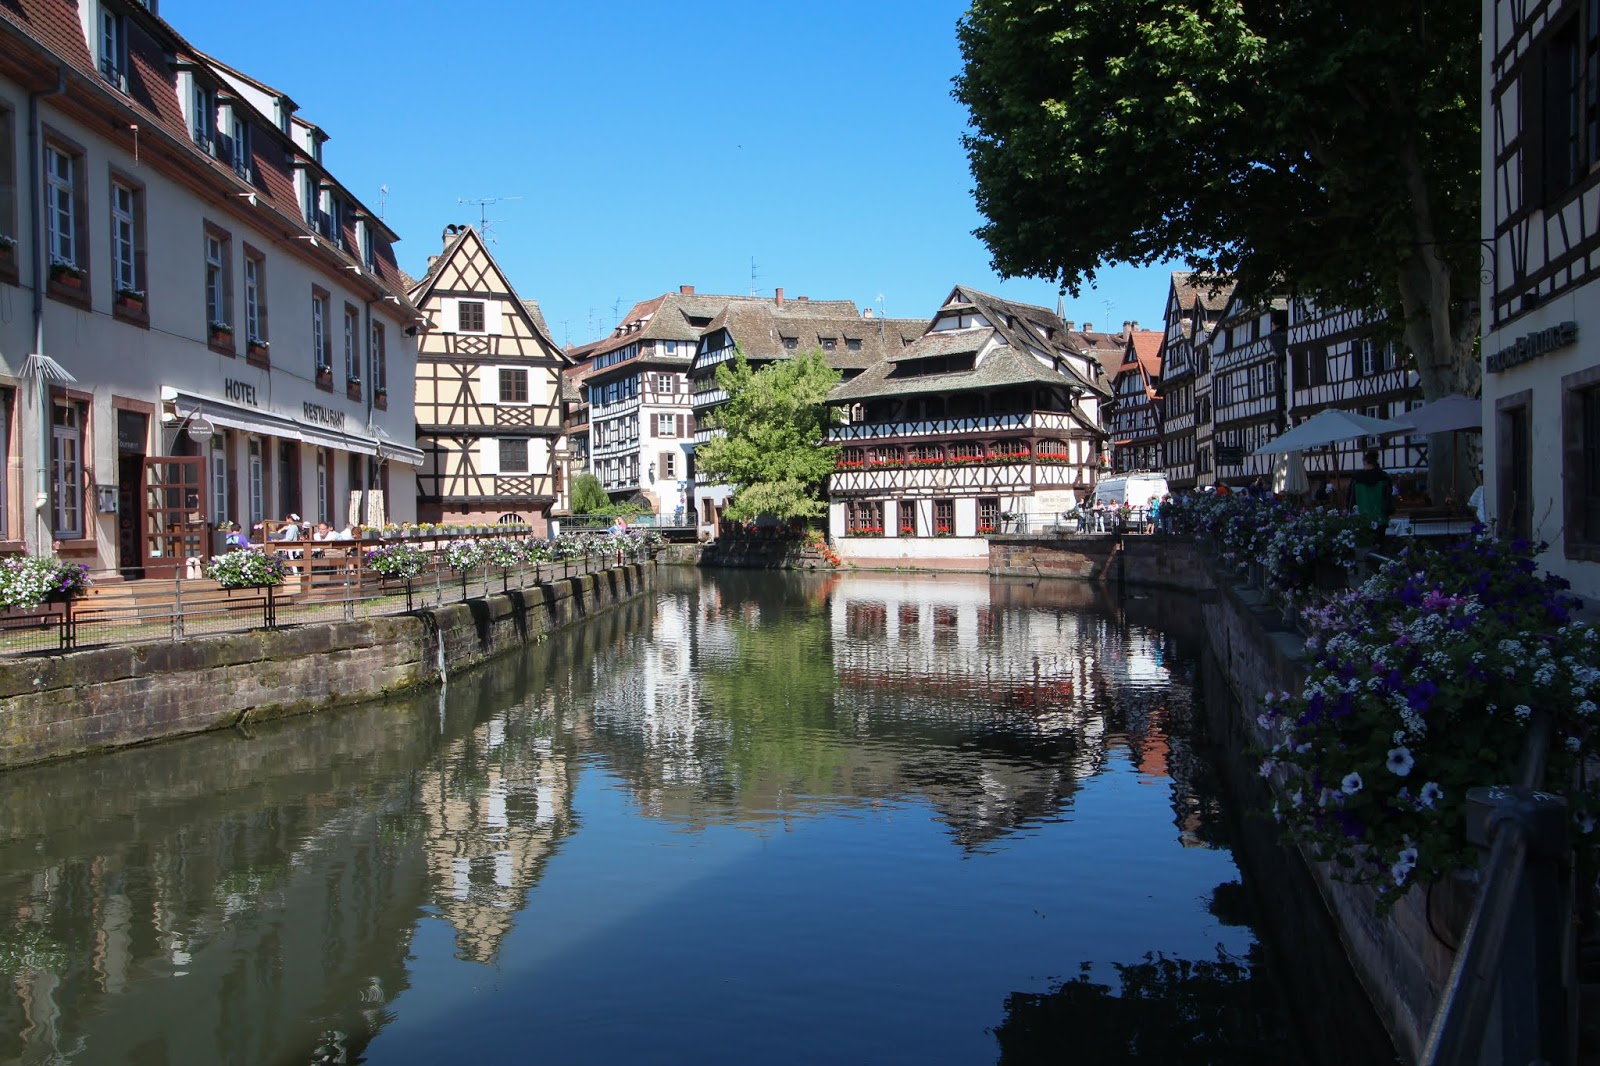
(488, 384)
(691, 425)
(449, 318)
(680, 425)
(488, 455)
(492, 317)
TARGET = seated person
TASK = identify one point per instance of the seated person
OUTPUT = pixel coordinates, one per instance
(234, 538)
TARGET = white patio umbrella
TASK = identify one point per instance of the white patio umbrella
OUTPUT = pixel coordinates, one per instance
(1329, 427)
(1289, 475)
(1449, 415)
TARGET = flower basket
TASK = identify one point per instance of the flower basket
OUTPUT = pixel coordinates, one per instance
(256, 348)
(247, 568)
(220, 336)
(463, 555)
(27, 581)
(66, 278)
(130, 301)
(400, 561)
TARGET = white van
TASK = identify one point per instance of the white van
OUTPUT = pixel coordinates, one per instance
(1134, 490)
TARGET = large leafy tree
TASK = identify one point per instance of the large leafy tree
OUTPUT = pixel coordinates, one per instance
(1330, 145)
(771, 447)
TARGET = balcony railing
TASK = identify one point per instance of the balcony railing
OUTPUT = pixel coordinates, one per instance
(947, 427)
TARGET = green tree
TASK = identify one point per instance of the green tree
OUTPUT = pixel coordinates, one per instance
(589, 496)
(771, 448)
(1331, 145)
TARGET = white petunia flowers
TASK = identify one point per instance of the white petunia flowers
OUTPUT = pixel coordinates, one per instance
(1400, 761)
(1430, 795)
(1351, 783)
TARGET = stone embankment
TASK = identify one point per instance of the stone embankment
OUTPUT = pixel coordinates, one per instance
(103, 698)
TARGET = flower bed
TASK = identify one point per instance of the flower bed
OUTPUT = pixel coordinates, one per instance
(401, 561)
(1424, 686)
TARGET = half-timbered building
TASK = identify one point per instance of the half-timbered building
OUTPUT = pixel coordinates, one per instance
(488, 394)
(199, 323)
(641, 413)
(1541, 300)
(991, 417)
(1134, 419)
(1343, 359)
(1248, 381)
(766, 331)
(1194, 304)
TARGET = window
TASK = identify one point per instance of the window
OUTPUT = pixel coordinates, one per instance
(219, 478)
(380, 362)
(203, 116)
(513, 385)
(126, 205)
(66, 469)
(352, 351)
(864, 518)
(469, 316)
(852, 344)
(8, 180)
(944, 517)
(669, 348)
(368, 258)
(666, 425)
(7, 406)
(791, 343)
(664, 384)
(255, 298)
(320, 348)
(1559, 89)
(61, 205)
(257, 485)
(240, 155)
(322, 485)
(669, 466)
(513, 456)
(1581, 476)
(988, 514)
(908, 518)
(829, 343)
(113, 48)
(219, 305)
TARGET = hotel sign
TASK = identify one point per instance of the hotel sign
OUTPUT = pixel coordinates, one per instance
(239, 391)
(1526, 349)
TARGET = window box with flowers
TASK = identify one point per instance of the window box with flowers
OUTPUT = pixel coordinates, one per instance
(867, 531)
(256, 348)
(130, 301)
(941, 531)
(64, 275)
(985, 529)
(221, 335)
(325, 377)
(8, 252)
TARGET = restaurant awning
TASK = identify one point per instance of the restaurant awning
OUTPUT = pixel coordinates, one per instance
(191, 405)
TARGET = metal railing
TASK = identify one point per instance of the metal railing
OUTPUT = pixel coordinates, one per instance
(328, 581)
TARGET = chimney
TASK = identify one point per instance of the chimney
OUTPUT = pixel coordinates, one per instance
(432, 259)
(686, 290)
(1127, 326)
(866, 312)
(778, 296)
(1070, 325)
(1088, 327)
(803, 299)
(449, 234)
(1136, 325)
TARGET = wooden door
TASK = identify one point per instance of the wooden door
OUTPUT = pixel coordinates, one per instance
(174, 517)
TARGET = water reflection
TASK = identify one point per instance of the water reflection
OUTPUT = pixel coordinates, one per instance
(275, 897)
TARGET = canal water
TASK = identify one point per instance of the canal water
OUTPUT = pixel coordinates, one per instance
(752, 818)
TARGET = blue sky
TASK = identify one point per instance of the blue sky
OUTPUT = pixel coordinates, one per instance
(655, 145)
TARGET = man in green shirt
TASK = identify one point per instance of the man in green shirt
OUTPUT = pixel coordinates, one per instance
(1372, 492)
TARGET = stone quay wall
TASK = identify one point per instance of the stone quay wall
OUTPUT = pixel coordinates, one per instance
(1399, 962)
(103, 698)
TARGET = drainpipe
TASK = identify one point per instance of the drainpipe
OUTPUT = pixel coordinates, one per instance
(36, 240)
(372, 384)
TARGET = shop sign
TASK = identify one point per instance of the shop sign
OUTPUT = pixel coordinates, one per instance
(1530, 347)
(319, 415)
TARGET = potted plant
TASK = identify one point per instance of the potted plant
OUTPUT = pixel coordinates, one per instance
(65, 274)
(8, 248)
(27, 581)
(221, 333)
(256, 346)
(130, 300)
(247, 568)
(463, 555)
(324, 375)
(400, 561)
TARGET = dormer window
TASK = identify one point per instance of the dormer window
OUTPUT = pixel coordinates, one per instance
(829, 343)
(114, 48)
(203, 116)
(791, 343)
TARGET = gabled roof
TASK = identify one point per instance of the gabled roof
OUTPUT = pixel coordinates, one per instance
(684, 316)
(1144, 346)
(1204, 291)
(468, 247)
(1004, 366)
(760, 330)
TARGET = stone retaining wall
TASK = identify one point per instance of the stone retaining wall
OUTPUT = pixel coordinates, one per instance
(1150, 561)
(102, 698)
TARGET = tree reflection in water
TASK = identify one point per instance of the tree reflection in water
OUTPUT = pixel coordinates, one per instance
(1171, 1011)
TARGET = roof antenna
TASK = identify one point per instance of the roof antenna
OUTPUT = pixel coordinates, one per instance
(383, 200)
(484, 221)
(753, 275)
